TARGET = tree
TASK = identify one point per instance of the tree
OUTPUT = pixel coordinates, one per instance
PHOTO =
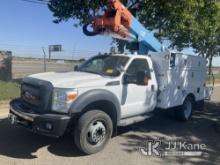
(186, 23)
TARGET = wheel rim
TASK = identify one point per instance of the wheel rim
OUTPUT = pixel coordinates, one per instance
(187, 108)
(96, 133)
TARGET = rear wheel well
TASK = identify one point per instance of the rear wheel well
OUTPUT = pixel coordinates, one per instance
(190, 95)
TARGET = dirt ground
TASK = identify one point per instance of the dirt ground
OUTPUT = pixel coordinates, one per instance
(18, 146)
(22, 68)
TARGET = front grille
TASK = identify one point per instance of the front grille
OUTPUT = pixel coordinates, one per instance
(31, 94)
(36, 94)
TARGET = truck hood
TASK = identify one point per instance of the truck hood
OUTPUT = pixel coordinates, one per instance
(71, 79)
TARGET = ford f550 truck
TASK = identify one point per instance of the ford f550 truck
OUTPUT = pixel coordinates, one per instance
(111, 90)
(108, 91)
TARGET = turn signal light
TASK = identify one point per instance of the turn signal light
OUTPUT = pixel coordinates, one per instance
(71, 96)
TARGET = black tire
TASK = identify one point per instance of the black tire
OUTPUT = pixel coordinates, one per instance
(97, 123)
(184, 112)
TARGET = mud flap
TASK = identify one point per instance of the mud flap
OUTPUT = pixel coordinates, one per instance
(208, 93)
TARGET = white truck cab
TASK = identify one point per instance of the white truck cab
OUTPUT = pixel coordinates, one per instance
(109, 91)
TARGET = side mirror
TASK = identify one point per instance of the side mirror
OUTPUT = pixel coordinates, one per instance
(140, 78)
(76, 67)
(129, 79)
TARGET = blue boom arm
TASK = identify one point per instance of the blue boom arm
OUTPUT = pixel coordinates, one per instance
(118, 22)
(145, 38)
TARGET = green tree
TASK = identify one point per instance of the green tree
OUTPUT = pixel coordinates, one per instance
(186, 23)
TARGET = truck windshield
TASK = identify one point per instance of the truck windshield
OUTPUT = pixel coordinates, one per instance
(106, 65)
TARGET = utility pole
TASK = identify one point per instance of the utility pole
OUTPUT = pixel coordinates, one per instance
(49, 53)
(45, 67)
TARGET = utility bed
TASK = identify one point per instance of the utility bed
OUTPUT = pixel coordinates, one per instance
(178, 75)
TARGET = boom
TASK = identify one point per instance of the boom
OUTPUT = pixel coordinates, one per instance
(118, 22)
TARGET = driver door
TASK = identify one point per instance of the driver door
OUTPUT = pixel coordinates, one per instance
(137, 99)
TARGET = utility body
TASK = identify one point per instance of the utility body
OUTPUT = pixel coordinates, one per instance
(108, 91)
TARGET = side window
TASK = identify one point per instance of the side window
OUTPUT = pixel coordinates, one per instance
(138, 65)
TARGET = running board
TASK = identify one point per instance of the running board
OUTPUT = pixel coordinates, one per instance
(132, 120)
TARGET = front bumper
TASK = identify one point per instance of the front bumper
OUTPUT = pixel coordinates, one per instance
(46, 124)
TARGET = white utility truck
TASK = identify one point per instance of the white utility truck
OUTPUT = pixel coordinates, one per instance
(111, 90)
(108, 91)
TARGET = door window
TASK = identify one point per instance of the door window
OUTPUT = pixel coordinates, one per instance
(138, 65)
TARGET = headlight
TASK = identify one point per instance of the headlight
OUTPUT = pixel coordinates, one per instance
(62, 99)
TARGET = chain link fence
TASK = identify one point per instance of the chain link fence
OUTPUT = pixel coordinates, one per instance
(27, 60)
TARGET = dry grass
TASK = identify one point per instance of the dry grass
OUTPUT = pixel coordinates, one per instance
(217, 79)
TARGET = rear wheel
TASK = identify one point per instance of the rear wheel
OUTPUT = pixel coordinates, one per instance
(184, 112)
(93, 131)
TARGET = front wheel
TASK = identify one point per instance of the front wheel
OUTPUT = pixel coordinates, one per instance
(93, 131)
(184, 112)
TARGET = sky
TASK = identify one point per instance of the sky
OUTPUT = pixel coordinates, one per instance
(27, 27)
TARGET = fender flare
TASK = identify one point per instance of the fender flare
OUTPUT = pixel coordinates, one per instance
(92, 96)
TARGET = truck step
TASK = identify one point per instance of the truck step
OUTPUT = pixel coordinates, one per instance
(132, 120)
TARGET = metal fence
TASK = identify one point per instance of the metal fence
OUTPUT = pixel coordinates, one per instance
(29, 60)
(24, 67)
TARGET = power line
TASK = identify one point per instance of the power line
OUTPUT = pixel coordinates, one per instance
(33, 47)
(45, 1)
(40, 2)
